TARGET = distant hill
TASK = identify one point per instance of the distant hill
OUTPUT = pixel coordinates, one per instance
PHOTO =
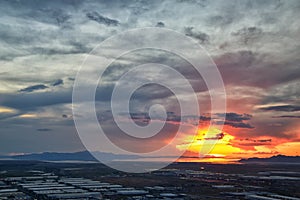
(86, 156)
(274, 159)
(54, 156)
(76, 156)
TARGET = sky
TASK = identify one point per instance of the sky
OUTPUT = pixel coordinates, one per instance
(254, 44)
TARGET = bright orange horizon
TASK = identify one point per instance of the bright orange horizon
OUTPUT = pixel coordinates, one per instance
(226, 148)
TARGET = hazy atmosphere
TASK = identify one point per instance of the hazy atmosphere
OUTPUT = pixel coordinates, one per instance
(254, 44)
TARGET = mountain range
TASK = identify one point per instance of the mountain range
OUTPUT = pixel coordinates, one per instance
(75, 156)
(273, 159)
(87, 156)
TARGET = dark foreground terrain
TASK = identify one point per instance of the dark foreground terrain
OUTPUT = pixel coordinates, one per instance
(70, 180)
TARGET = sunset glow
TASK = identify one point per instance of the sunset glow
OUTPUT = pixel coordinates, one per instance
(176, 67)
(226, 148)
(145, 100)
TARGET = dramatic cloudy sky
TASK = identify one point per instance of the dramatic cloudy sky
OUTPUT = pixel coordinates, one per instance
(255, 45)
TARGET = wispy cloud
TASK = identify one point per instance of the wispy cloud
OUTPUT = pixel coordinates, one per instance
(33, 88)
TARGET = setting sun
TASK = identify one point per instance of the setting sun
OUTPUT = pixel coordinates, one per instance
(214, 145)
(215, 142)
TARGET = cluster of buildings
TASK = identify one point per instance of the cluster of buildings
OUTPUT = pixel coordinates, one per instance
(8, 192)
(267, 185)
(254, 195)
(46, 186)
(262, 186)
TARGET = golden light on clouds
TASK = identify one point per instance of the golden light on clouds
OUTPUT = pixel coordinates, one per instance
(289, 148)
(225, 147)
(28, 116)
(218, 141)
(7, 110)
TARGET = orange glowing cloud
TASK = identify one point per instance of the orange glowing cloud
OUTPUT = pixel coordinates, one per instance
(214, 139)
(225, 147)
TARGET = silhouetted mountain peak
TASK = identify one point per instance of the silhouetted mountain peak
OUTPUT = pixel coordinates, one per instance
(73, 156)
(277, 158)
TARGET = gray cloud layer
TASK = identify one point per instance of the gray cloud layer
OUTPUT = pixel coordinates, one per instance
(255, 45)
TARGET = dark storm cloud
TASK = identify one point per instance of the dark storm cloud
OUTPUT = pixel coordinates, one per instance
(287, 116)
(232, 67)
(64, 116)
(285, 94)
(33, 88)
(145, 118)
(262, 140)
(29, 101)
(235, 120)
(218, 136)
(37, 24)
(236, 124)
(267, 140)
(232, 119)
(115, 71)
(134, 144)
(95, 16)
(251, 142)
(204, 118)
(202, 37)
(266, 125)
(104, 92)
(285, 108)
(239, 59)
(140, 116)
(160, 24)
(235, 117)
(44, 129)
(152, 92)
(58, 82)
(248, 34)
